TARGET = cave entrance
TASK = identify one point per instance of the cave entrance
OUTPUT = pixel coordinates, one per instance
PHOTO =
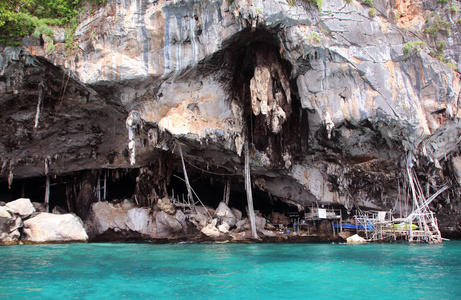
(211, 188)
(64, 190)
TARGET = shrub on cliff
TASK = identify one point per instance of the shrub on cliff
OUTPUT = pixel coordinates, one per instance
(20, 18)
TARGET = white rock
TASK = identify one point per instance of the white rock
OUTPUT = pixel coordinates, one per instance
(224, 228)
(225, 214)
(138, 219)
(22, 207)
(46, 227)
(355, 239)
(211, 231)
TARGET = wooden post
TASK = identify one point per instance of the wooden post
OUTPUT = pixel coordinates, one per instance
(47, 192)
(341, 220)
(226, 192)
(98, 188)
(247, 176)
(189, 191)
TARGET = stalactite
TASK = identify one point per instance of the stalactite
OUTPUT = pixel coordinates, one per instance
(133, 121)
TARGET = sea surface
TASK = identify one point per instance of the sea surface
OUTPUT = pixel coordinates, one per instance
(231, 271)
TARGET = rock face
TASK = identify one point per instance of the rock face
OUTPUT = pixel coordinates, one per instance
(46, 227)
(335, 103)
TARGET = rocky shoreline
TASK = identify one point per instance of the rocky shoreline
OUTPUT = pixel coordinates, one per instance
(26, 222)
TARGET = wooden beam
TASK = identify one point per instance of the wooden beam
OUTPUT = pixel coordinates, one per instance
(247, 175)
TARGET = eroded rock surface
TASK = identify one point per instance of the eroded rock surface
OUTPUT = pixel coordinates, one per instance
(333, 102)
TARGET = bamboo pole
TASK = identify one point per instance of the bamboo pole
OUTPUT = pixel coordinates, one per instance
(251, 212)
(47, 192)
(98, 188)
(186, 178)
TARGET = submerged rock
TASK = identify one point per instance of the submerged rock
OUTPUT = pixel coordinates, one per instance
(47, 227)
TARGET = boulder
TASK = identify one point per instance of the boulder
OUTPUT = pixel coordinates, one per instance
(126, 204)
(237, 213)
(100, 218)
(224, 213)
(47, 227)
(137, 219)
(22, 207)
(355, 239)
(241, 223)
(260, 223)
(345, 234)
(224, 228)
(9, 225)
(165, 205)
(59, 210)
(198, 219)
(211, 231)
(106, 216)
(40, 206)
(167, 225)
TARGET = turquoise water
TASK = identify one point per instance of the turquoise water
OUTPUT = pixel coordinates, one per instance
(231, 271)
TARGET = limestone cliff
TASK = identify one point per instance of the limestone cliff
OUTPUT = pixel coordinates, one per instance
(332, 101)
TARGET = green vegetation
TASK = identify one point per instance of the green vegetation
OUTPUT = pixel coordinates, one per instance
(348, 1)
(413, 47)
(314, 37)
(442, 1)
(368, 3)
(19, 18)
(372, 12)
(291, 3)
(318, 3)
(437, 24)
